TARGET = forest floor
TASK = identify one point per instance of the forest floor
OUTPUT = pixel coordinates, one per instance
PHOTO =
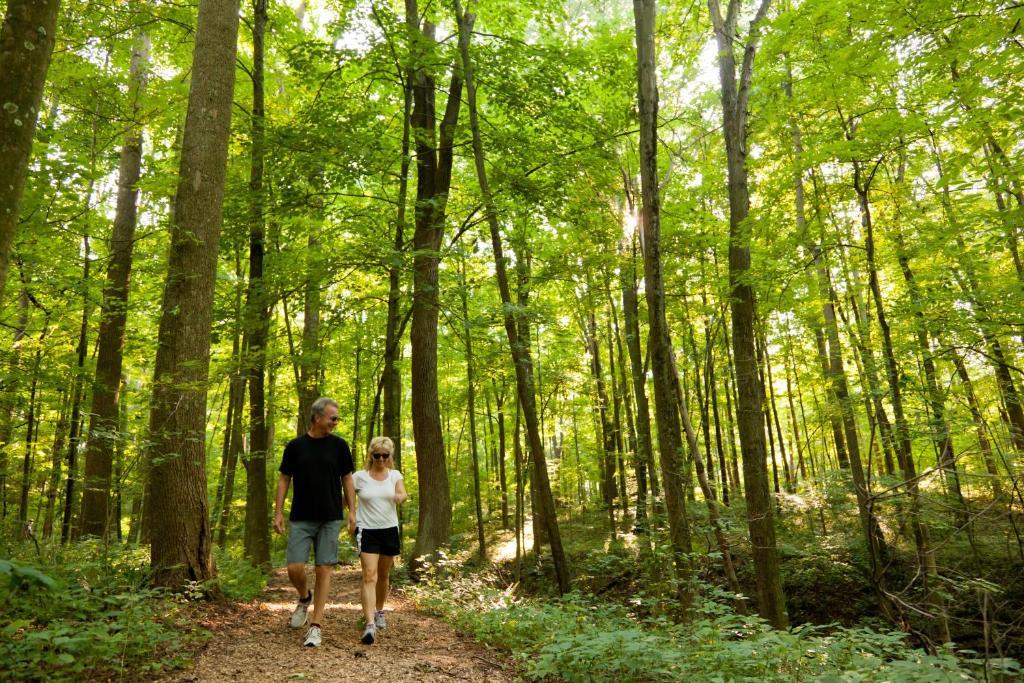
(252, 641)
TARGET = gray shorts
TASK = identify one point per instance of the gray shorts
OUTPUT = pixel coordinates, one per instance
(323, 536)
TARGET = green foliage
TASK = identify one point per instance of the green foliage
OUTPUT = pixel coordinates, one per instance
(579, 638)
(89, 615)
(237, 578)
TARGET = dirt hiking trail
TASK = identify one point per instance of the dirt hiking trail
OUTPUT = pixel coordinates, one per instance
(252, 642)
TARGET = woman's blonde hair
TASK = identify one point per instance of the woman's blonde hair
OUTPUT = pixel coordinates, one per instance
(379, 443)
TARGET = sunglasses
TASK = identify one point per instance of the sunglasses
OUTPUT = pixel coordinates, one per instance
(333, 419)
(381, 456)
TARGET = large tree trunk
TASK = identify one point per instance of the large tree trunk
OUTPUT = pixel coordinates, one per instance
(434, 172)
(177, 497)
(103, 425)
(760, 518)
(26, 44)
(670, 442)
(257, 318)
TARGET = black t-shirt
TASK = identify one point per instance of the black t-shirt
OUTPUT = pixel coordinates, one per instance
(316, 467)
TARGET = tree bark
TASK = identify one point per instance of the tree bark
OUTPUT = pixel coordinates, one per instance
(631, 321)
(392, 410)
(670, 443)
(26, 45)
(520, 350)
(76, 392)
(760, 516)
(60, 433)
(177, 505)
(608, 489)
(309, 358)
(471, 406)
(257, 316)
(103, 424)
(434, 172)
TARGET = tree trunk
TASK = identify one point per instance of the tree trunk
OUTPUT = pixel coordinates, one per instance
(471, 406)
(981, 429)
(434, 172)
(639, 464)
(257, 317)
(310, 356)
(104, 435)
(177, 507)
(760, 521)
(631, 320)
(499, 405)
(76, 392)
(30, 431)
(939, 428)
(830, 356)
(60, 433)
(26, 44)
(392, 417)
(9, 385)
(519, 347)
(608, 490)
(234, 448)
(666, 405)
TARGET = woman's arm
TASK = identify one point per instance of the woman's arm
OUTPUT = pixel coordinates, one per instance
(400, 495)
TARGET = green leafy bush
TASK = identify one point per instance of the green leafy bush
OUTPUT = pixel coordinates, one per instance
(580, 639)
(88, 615)
(236, 577)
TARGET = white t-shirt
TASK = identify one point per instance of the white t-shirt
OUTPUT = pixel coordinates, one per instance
(377, 509)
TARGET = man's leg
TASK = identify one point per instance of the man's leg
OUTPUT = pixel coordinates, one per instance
(383, 579)
(300, 539)
(297, 575)
(369, 562)
(323, 586)
(326, 553)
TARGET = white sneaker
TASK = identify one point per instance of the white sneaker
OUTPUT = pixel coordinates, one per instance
(369, 634)
(312, 637)
(301, 613)
(378, 619)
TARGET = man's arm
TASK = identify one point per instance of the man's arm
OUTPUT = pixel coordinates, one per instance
(350, 501)
(283, 481)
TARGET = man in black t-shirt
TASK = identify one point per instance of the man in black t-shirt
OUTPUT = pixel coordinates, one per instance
(319, 465)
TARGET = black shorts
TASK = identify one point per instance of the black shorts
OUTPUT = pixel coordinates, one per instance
(379, 541)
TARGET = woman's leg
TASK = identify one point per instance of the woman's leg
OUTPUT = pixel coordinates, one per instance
(369, 562)
(383, 579)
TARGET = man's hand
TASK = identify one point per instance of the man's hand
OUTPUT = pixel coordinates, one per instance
(352, 524)
(279, 522)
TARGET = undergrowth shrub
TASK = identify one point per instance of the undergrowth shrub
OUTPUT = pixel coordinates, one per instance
(237, 578)
(87, 613)
(578, 638)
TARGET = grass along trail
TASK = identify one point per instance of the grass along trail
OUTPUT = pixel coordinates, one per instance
(252, 641)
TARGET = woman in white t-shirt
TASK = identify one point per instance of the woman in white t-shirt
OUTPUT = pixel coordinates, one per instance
(379, 492)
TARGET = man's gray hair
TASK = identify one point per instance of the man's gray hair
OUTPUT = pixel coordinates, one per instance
(319, 405)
